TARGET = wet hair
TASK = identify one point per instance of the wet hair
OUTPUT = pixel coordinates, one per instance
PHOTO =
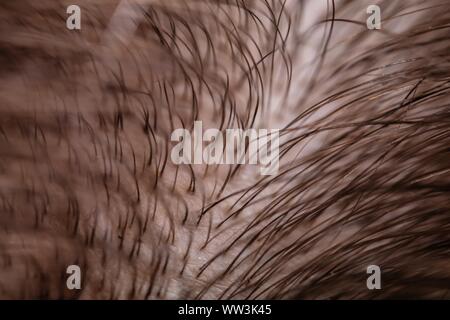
(85, 170)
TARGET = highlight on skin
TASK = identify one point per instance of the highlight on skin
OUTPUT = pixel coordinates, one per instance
(86, 177)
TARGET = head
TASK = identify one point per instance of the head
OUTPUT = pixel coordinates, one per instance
(86, 176)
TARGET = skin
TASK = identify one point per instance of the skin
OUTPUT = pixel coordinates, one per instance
(85, 170)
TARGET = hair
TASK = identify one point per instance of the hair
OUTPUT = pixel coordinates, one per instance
(85, 170)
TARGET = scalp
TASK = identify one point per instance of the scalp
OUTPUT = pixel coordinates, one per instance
(86, 176)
